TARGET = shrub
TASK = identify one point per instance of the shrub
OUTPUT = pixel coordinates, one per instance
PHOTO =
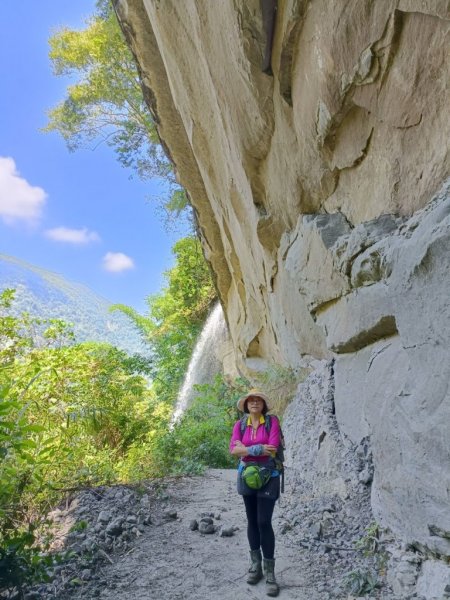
(200, 439)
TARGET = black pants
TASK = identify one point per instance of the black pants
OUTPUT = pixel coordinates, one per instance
(259, 529)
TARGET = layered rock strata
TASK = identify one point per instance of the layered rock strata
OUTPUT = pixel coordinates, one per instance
(354, 121)
(313, 192)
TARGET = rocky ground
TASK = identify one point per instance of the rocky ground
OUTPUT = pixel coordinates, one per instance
(185, 539)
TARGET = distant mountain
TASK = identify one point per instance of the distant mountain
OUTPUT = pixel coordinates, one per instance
(48, 295)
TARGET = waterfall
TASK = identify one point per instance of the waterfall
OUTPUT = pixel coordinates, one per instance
(205, 361)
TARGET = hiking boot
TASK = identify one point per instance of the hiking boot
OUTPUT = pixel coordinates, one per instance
(255, 573)
(272, 588)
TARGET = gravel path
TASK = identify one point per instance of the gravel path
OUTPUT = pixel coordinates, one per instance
(140, 544)
(172, 562)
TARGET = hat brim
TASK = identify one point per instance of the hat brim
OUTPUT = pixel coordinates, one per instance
(243, 400)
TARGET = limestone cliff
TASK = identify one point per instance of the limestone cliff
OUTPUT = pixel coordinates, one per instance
(320, 197)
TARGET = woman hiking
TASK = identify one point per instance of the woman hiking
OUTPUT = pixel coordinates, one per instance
(256, 444)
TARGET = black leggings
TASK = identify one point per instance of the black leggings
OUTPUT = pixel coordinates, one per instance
(259, 529)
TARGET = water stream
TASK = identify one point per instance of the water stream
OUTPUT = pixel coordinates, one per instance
(205, 361)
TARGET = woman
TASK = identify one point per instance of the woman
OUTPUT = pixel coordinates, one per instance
(253, 442)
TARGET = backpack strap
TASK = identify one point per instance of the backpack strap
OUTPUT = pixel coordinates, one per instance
(243, 422)
(280, 464)
(267, 423)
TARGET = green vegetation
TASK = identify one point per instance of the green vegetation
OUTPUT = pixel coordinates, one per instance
(202, 436)
(74, 415)
(81, 414)
(176, 316)
(106, 103)
(370, 542)
(361, 582)
(68, 412)
(365, 581)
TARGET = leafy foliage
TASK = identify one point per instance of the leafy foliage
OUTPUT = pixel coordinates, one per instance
(361, 582)
(372, 545)
(176, 316)
(370, 542)
(66, 413)
(202, 435)
(106, 102)
(81, 414)
(365, 581)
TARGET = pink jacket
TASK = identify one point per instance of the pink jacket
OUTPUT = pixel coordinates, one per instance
(261, 437)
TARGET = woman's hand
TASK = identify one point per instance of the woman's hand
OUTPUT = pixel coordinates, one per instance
(239, 449)
(269, 450)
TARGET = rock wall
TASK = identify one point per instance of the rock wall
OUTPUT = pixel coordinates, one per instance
(320, 196)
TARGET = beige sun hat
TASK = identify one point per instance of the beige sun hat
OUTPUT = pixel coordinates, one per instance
(253, 392)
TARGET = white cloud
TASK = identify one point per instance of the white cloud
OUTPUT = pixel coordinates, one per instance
(116, 262)
(18, 199)
(72, 236)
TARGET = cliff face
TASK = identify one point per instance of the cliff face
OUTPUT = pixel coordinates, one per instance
(313, 188)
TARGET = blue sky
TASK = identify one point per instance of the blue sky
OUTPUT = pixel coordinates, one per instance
(78, 214)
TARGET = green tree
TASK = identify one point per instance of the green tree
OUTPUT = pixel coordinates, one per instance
(202, 435)
(69, 414)
(176, 316)
(106, 103)
(82, 414)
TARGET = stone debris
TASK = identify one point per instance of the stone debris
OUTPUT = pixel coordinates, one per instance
(323, 544)
(99, 527)
(93, 529)
(228, 531)
(205, 527)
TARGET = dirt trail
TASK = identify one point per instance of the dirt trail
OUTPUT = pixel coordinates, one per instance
(171, 562)
(137, 543)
